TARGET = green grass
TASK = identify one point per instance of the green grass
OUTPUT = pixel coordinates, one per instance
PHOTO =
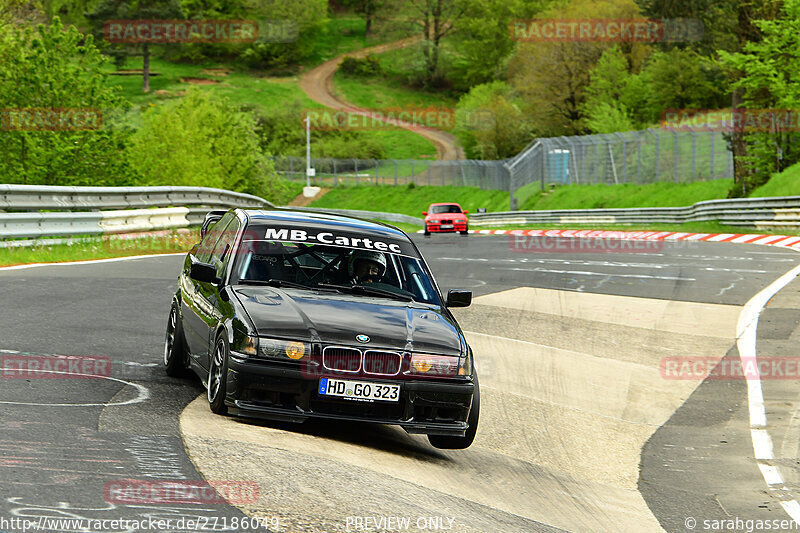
(386, 93)
(411, 201)
(269, 94)
(663, 194)
(786, 183)
(99, 248)
(240, 87)
(415, 200)
(343, 34)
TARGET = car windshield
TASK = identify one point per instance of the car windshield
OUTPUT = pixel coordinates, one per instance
(368, 273)
(439, 209)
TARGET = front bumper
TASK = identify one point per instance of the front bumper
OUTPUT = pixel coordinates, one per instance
(437, 228)
(279, 391)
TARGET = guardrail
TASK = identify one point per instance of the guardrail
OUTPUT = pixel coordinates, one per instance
(43, 197)
(775, 212)
(52, 211)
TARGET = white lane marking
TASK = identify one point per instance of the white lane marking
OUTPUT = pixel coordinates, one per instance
(771, 474)
(89, 262)
(586, 262)
(143, 393)
(746, 329)
(587, 273)
(762, 444)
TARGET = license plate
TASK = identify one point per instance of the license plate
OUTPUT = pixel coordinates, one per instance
(359, 390)
(447, 226)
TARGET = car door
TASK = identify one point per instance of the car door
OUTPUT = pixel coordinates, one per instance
(194, 303)
(212, 309)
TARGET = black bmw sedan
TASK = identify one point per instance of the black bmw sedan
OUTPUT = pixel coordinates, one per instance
(290, 315)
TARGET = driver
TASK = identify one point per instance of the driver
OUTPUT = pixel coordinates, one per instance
(366, 266)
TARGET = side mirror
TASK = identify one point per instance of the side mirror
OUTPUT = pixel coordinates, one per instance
(466, 212)
(204, 272)
(424, 213)
(459, 298)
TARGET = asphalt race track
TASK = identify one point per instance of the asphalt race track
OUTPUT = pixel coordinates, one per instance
(582, 428)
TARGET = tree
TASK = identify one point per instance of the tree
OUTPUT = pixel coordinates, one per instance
(552, 76)
(53, 70)
(436, 19)
(368, 8)
(490, 123)
(770, 79)
(732, 24)
(202, 140)
(133, 10)
(482, 42)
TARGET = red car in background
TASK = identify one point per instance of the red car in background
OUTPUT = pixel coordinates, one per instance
(445, 218)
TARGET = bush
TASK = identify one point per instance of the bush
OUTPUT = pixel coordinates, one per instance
(361, 67)
(48, 68)
(203, 141)
(282, 132)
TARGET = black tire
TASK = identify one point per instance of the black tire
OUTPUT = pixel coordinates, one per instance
(175, 353)
(217, 374)
(465, 232)
(459, 443)
(427, 233)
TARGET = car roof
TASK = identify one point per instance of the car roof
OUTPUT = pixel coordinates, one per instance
(448, 203)
(321, 219)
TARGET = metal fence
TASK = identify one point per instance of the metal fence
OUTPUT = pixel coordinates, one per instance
(649, 156)
(489, 175)
(641, 157)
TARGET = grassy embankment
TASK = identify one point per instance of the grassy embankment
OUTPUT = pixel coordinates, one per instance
(412, 201)
(269, 93)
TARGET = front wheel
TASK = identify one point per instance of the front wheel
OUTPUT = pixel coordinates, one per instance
(427, 233)
(465, 232)
(217, 377)
(459, 443)
(175, 346)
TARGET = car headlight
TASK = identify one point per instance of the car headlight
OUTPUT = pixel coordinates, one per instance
(434, 221)
(249, 346)
(439, 365)
(294, 350)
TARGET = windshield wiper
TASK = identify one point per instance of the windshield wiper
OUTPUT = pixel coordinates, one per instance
(365, 289)
(274, 283)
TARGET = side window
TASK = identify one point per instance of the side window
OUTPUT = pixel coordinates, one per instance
(222, 250)
(211, 238)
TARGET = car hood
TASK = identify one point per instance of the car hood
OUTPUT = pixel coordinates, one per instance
(338, 318)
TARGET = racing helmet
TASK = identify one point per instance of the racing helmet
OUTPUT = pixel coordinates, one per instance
(366, 255)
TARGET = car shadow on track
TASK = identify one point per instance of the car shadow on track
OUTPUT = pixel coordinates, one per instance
(380, 437)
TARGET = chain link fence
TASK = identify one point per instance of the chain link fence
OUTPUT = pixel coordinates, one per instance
(489, 175)
(649, 156)
(641, 157)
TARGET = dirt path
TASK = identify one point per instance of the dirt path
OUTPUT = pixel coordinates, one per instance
(318, 85)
